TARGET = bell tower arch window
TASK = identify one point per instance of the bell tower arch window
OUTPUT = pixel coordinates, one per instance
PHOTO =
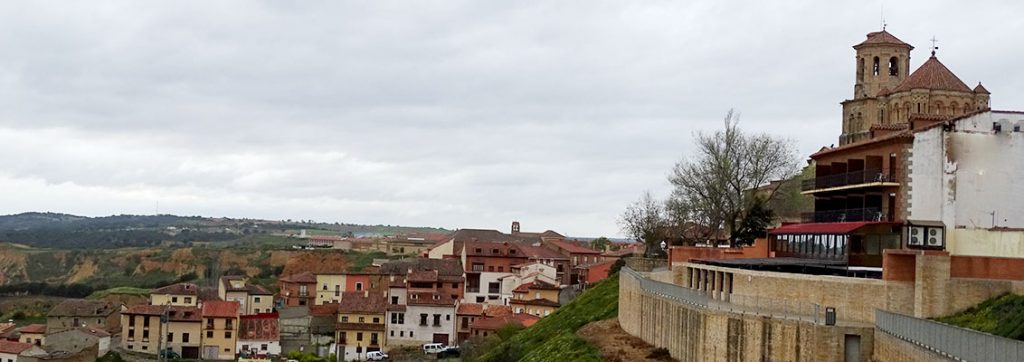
(894, 67)
(860, 69)
(874, 68)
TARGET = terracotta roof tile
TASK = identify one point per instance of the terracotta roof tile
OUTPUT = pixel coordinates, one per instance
(540, 252)
(574, 248)
(218, 308)
(932, 75)
(444, 267)
(525, 319)
(13, 347)
(323, 309)
(174, 313)
(470, 309)
(94, 330)
(881, 37)
(981, 89)
(33, 328)
(537, 301)
(177, 288)
(363, 302)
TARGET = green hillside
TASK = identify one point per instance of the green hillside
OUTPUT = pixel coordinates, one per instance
(554, 337)
(1001, 316)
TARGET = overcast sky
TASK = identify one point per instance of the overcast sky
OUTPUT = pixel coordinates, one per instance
(451, 114)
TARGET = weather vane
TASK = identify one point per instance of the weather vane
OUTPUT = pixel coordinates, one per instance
(934, 47)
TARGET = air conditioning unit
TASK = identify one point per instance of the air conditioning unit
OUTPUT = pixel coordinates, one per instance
(934, 237)
(915, 236)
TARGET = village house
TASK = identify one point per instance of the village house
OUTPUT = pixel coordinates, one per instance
(220, 325)
(361, 325)
(298, 289)
(486, 263)
(259, 335)
(589, 274)
(141, 329)
(468, 313)
(74, 341)
(74, 313)
(33, 334)
(528, 273)
(11, 351)
(487, 326)
(578, 255)
(179, 294)
(422, 296)
(252, 299)
(538, 298)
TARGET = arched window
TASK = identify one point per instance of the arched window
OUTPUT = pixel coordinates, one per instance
(894, 67)
(954, 108)
(874, 68)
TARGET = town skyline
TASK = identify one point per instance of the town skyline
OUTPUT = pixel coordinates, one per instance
(482, 116)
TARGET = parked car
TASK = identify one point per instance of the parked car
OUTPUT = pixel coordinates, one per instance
(449, 352)
(169, 354)
(376, 356)
(432, 348)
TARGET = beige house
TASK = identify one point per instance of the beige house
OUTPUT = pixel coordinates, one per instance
(33, 334)
(361, 324)
(220, 329)
(141, 329)
(180, 294)
(251, 298)
(537, 298)
(329, 288)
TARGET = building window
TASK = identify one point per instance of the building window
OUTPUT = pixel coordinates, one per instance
(131, 334)
(376, 320)
(501, 269)
(362, 320)
(188, 300)
(227, 334)
(359, 286)
(359, 336)
(184, 338)
(402, 334)
(209, 334)
(145, 322)
(423, 319)
(437, 320)
(447, 317)
(392, 333)
(263, 347)
(394, 300)
(256, 299)
(170, 337)
(145, 334)
(228, 324)
(174, 299)
(894, 67)
(344, 319)
(480, 299)
(131, 321)
(875, 68)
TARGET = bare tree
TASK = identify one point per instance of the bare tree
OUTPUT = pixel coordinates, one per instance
(718, 183)
(644, 220)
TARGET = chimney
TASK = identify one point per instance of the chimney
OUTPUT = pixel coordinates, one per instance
(515, 227)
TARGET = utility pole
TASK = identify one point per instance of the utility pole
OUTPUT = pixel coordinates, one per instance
(160, 338)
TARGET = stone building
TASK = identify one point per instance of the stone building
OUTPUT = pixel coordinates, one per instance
(74, 313)
(886, 94)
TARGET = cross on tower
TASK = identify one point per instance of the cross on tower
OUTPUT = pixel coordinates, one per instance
(934, 47)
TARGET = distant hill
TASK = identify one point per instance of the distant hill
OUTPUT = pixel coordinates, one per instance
(56, 230)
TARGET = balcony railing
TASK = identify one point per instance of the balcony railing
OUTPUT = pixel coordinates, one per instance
(848, 178)
(847, 215)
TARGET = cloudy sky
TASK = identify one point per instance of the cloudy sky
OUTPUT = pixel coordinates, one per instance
(430, 113)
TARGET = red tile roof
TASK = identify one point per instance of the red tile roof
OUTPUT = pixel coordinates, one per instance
(525, 319)
(496, 322)
(217, 308)
(94, 330)
(33, 328)
(261, 327)
(932, 75)
(822, 228)
(174, 313)
(540, 252)
(574, 248)
(536, 285)
(13, 347)
(82, 308)
(981, 89)
(363, 302)
(177, 288)
(881, 37)
(470, 309)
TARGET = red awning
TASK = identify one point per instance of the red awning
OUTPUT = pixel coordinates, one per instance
(820, 228)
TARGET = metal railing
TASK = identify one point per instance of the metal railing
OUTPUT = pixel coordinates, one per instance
(954, 342)
(848, 178)
(733, 303)
(845, 215)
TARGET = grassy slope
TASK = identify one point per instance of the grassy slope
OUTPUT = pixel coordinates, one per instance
(100, 294)
(554, 337)
(1001, 316)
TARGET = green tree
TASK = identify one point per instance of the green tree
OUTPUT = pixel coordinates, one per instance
(600, 243)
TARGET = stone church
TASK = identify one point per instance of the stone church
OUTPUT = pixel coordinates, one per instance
(886, 94)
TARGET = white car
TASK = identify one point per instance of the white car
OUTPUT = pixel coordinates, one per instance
(432, 348)
(376, 356)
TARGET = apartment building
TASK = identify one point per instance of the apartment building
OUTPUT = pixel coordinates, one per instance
(141, 330)
(220, 328)
(180, 294)
(252, 299)
(361, 325)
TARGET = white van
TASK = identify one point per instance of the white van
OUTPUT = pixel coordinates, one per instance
(432, 348)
